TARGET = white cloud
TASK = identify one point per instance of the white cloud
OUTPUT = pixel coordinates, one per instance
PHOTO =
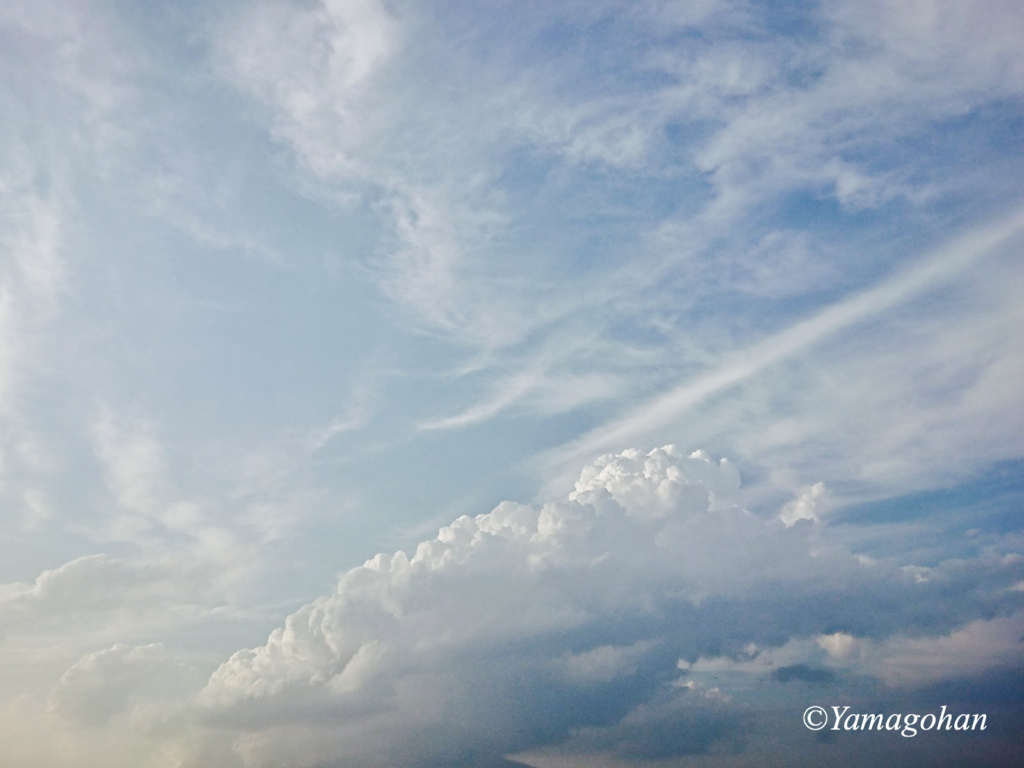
(648, 563)
(106, 683)
(32, 284)
(805, 506)
(761, 361)
(311, 65)
(37, 509)
(967, 652)
(659, 482)
(605, 663)
(599, 623)
(32, 275)
(536, 389)
(151, 512)
(357, 414)
(428, 269)
(99, 593)
(767, 114)
(343, 95)
(839, 645)
(135, 467)
(889, 69)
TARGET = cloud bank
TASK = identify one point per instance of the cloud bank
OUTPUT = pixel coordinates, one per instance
(581, 619)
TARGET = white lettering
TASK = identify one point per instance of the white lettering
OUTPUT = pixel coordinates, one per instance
(875, 720)
(908, 725)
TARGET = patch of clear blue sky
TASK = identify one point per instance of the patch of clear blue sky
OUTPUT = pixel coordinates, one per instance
(930, 527)
(193, 324)
(991, 503)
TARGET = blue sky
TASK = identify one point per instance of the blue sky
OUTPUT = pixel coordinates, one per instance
(670, 350)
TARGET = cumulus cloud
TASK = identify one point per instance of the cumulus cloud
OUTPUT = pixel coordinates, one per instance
(839, 645)
(527, 625)
(105, 595)
(106, 683)
(961, 654)
(88, 583)
(805, 506)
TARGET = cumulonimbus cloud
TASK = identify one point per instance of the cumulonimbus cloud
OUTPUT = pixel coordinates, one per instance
(520, 627)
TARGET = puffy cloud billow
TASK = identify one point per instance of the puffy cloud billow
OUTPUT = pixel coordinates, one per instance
(581, 619)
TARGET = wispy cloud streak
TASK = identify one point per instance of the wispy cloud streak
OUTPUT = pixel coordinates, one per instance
(939, 266)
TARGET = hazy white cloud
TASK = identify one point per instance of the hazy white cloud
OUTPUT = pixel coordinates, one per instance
(428, 271)
(135, 468)
(537, 390)
(32, 283)
(967, 652)
(32, 275)
(996, 241)
(152, 513)
(888, 70)
(320, 70)
(101, 593)
(311, 64)
(106, 683)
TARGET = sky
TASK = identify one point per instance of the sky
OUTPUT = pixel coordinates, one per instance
(437, 384)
